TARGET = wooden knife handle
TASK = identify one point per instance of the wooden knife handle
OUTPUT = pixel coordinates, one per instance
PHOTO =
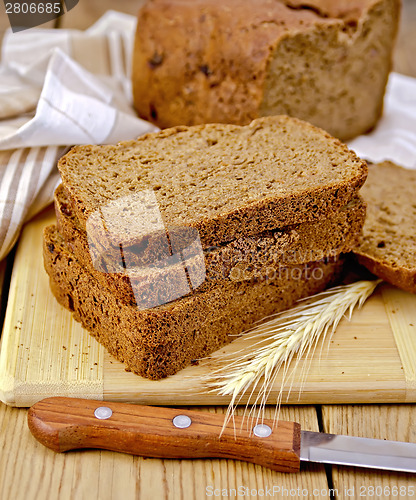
(67, 423)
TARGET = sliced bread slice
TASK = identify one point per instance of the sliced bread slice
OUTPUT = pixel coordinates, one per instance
(257, 256)
(159, 342)
(225, 181)
(388, 247)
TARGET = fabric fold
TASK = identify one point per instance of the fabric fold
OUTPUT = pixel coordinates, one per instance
(59, 88)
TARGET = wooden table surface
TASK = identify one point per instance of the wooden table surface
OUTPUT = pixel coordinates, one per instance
(30, 471)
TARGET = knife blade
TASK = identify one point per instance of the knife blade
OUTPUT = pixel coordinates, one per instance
(359, 452)
(64, 424)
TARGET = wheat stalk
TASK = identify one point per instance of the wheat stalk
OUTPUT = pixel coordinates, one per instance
(291, 334)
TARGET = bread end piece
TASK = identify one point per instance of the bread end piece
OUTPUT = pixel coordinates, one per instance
(388, 246)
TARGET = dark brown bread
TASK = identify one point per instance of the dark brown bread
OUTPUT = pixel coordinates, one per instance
(230, 61)
(240, 260)
(159, 342)
(225, 181)
(388, 247)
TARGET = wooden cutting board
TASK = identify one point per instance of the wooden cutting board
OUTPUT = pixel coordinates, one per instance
(44, 352)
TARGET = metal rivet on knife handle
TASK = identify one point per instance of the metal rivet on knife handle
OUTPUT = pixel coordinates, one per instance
(182, 421)
(262, 430)
(103, 412)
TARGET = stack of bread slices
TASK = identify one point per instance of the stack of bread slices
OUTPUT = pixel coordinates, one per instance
(168, 246)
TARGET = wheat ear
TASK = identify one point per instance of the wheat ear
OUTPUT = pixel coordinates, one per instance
(289, 335)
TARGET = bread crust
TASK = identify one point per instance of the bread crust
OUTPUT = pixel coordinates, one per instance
(402, 278)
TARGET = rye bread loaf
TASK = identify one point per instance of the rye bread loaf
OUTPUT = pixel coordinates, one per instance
(224, 181)
(159, 342)
(388, 247)
(257, 256)
(231, 61)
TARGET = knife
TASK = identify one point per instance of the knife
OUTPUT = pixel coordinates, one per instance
(64, 424)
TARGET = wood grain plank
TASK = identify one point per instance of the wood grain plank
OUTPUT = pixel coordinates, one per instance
(391, 422)
(85, 13)
(404, 330)
(57, 347)
(30, 471)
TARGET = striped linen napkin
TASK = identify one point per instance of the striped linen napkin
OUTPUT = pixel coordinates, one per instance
(58, 88)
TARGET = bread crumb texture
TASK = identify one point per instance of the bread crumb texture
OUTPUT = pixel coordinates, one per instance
(226, 181)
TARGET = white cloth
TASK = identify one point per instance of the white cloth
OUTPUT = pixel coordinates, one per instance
(394, 138)
(58, 88)
(63, 87)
